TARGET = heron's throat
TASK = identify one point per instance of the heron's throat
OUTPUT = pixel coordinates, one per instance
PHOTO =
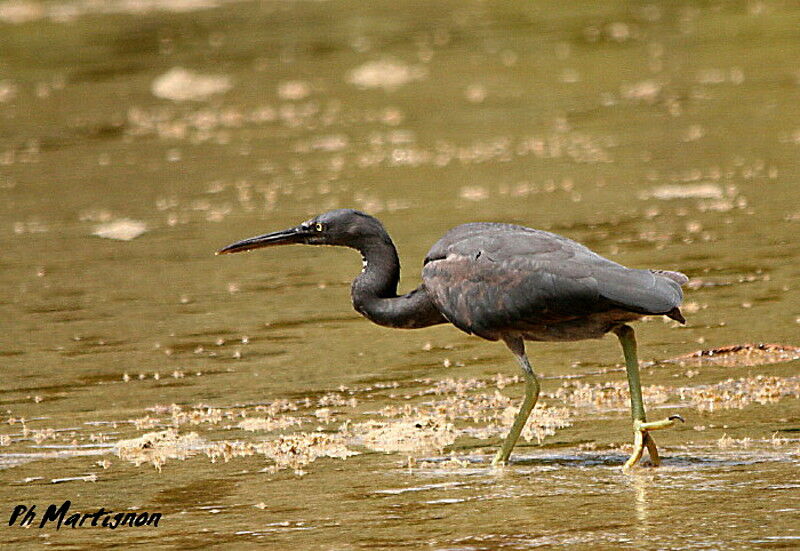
(380, 272)
(374, 291)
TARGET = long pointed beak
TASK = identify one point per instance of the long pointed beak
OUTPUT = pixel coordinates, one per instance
(283, 237)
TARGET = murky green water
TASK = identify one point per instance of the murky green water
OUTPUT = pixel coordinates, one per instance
(661, 135)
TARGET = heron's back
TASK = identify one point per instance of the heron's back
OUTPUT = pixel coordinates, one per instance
(490, 279)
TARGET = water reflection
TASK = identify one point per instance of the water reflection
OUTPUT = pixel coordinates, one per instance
(640, 483)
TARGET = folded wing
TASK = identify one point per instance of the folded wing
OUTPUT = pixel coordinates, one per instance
(490, 277)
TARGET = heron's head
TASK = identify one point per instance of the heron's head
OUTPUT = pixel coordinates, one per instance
(344, 227)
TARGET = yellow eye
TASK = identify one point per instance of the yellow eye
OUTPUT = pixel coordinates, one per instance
(319, 227)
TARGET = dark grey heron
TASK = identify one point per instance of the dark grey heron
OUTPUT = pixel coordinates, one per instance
(502, 282)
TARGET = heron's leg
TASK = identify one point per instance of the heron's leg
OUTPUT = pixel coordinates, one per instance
(641, 428)
(517, 346)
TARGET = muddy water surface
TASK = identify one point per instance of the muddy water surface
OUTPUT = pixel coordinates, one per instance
(241, 396)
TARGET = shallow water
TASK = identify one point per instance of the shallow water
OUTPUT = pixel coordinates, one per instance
(662, 137)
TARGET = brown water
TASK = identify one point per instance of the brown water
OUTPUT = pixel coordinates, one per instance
(661, 136)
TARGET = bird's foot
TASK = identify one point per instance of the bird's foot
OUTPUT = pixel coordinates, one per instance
(499, 460)
(642, 439)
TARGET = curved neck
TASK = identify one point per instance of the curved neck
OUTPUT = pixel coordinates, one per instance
(380, 272)
(374, 291)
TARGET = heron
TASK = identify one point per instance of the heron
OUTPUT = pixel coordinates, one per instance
(502, 282)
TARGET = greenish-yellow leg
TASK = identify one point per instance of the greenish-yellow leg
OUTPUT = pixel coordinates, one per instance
(517, 346)
(641, 428)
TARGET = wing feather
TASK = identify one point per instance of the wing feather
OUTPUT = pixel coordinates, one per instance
(486, 277)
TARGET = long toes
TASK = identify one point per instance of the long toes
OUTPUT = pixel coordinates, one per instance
(658, 425)
(644, 440)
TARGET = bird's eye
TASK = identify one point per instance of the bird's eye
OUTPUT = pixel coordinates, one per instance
(319, 227)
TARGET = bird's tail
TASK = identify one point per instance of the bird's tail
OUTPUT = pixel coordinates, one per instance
(675, 314)
(677, 277)
(680, 279)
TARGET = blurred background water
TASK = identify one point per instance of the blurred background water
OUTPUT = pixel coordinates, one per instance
(137, 137)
